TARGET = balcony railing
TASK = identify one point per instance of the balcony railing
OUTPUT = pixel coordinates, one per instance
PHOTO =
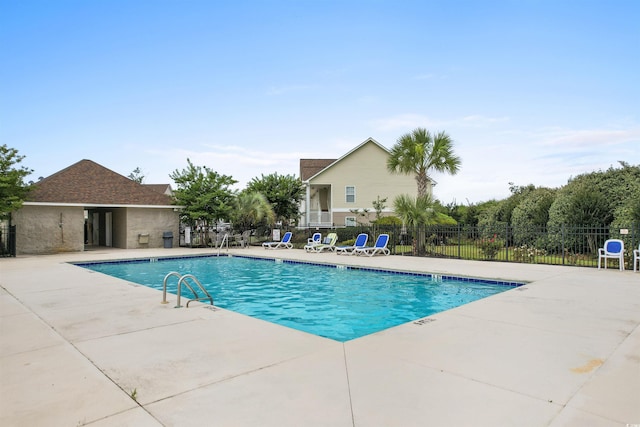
(320, 219)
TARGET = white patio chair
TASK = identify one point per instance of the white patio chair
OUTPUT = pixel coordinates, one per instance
(613, 248)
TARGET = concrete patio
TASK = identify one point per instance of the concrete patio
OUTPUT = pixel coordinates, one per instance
(76, 346)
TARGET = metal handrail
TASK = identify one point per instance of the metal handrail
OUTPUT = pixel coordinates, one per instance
(164, 285)
(225, 238)
(182, 279)
(197, 298)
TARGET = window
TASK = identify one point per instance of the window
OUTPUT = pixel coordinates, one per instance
(350, 221)
(350, 194)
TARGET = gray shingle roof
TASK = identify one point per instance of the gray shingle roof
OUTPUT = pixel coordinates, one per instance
(87, 182)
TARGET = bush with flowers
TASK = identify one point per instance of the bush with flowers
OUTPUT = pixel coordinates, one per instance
(491, 247)
(526, 253)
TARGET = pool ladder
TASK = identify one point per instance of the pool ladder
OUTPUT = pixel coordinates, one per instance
(183, 279)
(225, 239)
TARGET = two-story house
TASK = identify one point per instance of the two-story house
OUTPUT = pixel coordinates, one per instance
(338, 191)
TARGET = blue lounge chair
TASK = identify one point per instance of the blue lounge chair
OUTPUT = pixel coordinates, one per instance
(380, 247)
(316, 238)
(361, 241)
(285, 243)
(613, 248)
(313, 241)
(328, 244)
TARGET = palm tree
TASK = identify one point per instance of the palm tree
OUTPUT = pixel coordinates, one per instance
(418, 213)
(419, 152)
(414, 212)
(250, 209)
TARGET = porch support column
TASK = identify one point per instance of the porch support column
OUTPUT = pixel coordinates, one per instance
(307, 209)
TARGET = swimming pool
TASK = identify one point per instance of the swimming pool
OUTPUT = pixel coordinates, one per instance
(337, 302)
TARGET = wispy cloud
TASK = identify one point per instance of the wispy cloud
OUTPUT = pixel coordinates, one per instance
(234, 156)
(241, 163)
(589, 137)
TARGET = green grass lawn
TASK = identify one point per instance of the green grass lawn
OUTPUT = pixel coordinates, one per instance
(472, 252)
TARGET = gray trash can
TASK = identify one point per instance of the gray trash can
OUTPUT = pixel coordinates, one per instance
(168, 239)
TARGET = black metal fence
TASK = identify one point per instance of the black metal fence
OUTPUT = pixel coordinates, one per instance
(7, 240)
(562, 245)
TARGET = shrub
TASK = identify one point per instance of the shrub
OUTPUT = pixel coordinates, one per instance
(526, 253)
(491, 247)
(388, 220)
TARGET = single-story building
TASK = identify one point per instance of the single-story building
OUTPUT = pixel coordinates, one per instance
(87, 205)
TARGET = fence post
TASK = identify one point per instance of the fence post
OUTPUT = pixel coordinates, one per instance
(459, 241)
(12, 235)
(506, 242)
(562, 243)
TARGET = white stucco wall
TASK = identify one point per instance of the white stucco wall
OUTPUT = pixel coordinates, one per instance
(49, 229)
(151, 221)
(39, 229)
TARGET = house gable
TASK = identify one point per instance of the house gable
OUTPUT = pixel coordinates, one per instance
(161, 188)
(353, 183)
(348, 157)
(365, 168)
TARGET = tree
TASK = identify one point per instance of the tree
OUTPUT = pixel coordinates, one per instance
(415, 213)
(589, 207)
(491, 218)
(250, 210)
(283, 192)
(379, 206)
(518, 194)
(464, 214)
(13, 190)
(205, 195)
(594, 200)
(597, 198)
(412, 212)
(364, 214)
(531, 215)
(419, 153)
(136, 176)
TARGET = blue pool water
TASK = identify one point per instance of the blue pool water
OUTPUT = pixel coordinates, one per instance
(330, 301)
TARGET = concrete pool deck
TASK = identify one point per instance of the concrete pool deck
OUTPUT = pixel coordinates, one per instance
(76, 346)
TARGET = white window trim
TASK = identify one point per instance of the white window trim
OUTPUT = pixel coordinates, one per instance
(346, 200)
(350, 218)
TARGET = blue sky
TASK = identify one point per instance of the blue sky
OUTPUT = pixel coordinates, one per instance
(531, 91)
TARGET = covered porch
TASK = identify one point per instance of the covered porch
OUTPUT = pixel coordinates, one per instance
(317, 208)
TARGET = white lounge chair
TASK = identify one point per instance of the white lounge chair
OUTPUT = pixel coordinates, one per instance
(636, 259)
(316, 238)
(313, 241)
(361, 241)
(613, 248)
(285, 243)
(328, 244)
(380, 247)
